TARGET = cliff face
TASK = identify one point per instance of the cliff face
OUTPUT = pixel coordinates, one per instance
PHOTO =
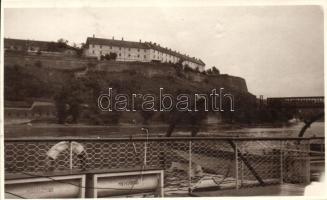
(233, 82)
(37, 65)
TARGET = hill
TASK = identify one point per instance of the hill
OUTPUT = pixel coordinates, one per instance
(77, 81)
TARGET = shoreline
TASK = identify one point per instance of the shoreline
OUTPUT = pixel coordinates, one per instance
(22, 123)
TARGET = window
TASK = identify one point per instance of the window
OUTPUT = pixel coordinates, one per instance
(144, 56)
(119, 54)
(100, 46)
(110, 47)
(129, 55)
(138, 56)
(93, 51)
(144, 50)
(119, 48)
(100, 52)
(138, 50)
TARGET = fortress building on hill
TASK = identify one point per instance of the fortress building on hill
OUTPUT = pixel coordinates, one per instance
(138, 51)
(126, 51)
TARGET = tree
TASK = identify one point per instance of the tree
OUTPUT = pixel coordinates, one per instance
(179, 68)
(68, 100)
(113, 56)
(209, 71)
(60, 101)
(194, 118)
(107, 57)
(62, 41)
(60, 45)
(215, 70)
(83, 45)
(79, 51)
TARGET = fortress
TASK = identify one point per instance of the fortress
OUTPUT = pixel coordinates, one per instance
(138, 51)
(125, 51)
(139, 64)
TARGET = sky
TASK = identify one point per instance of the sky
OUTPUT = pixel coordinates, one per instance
(278, 50)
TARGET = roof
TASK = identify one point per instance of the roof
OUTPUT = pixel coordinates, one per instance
(174, 53)
(140, 45)
(120, 43)
(43, 45)
(25, 43)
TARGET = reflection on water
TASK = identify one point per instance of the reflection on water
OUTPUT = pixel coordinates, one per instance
(316, 129)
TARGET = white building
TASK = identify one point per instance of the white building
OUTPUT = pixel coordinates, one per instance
(137, 51)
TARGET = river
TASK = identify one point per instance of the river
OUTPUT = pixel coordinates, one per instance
(222, 130)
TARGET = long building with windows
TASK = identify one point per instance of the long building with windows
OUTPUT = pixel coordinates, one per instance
(138, 51)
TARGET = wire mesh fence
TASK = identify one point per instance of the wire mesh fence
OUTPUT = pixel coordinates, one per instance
(190, 163)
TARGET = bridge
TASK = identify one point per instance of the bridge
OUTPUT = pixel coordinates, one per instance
(296, 102)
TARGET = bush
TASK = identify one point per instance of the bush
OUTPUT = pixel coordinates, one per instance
(187, 68)
(110, 56)
(178, 67)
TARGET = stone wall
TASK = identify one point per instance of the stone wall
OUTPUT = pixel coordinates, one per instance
(53, 62)
(37, 110)
(146, 69)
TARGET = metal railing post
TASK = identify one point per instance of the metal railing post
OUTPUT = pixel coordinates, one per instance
(236, 166)
(190, 167)
(308, 160)
(281, 163)
(145, 152)
(70, 155)
(242, 168)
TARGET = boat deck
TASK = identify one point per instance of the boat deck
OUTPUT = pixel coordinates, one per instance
(273, 190)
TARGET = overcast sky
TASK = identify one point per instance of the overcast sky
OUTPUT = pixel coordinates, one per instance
(277, 49)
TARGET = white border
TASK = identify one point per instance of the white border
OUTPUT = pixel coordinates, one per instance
(142, 3)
